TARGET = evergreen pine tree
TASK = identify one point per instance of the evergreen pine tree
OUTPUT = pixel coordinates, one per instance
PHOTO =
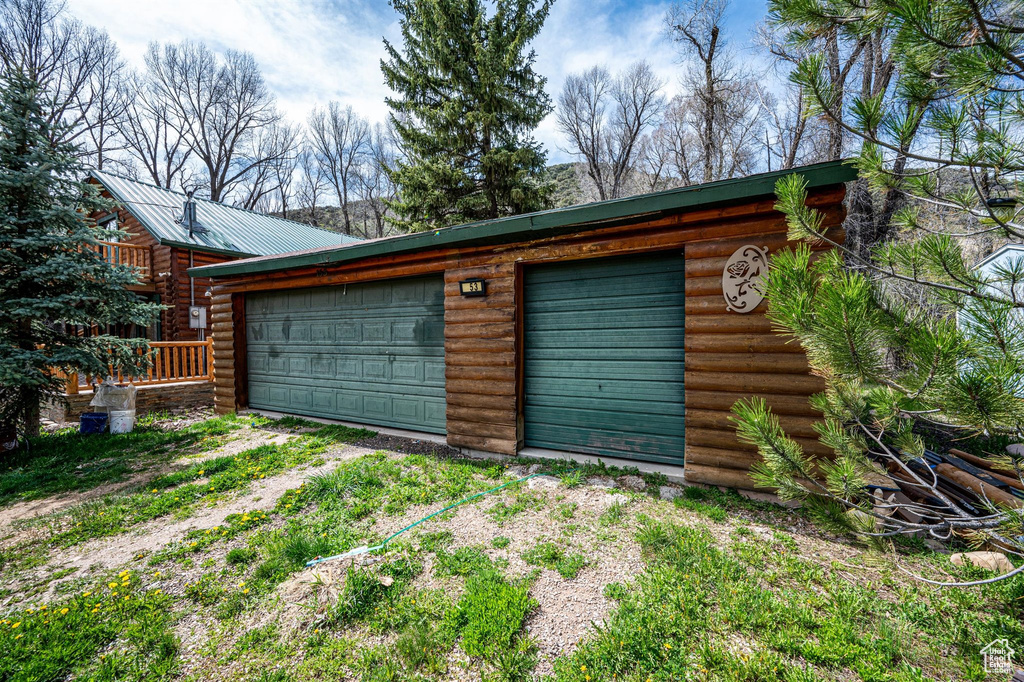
(916, 347)
(51, 282)
(467, 104)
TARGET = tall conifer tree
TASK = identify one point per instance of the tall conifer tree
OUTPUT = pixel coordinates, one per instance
(51, 282)
(467, 103)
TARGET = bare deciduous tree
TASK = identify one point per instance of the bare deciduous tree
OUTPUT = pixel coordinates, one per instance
(794, 138)
(149, 135)
(76, 67)
(375, 185)
(605, 118)
(273, 148)
(696, 25)
(312, 183)
(104, 101)
(339, 138)
(217, 106)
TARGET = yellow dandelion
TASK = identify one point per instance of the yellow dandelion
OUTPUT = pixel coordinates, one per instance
(17, 637)
(154, 490)
(63, 611)
(201, 472)
(245, 591)
(16, 625)
(112, 585)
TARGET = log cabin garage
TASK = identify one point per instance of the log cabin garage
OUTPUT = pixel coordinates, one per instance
(622, 330)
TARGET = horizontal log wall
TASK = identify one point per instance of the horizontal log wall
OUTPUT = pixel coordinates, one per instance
(728, 356)
(181, 288)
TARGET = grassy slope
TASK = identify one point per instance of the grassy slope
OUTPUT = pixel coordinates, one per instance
(718, 597)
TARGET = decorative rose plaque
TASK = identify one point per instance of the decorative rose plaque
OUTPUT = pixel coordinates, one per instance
(741, 279)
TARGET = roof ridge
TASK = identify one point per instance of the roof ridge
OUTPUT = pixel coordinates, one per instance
(220, 203)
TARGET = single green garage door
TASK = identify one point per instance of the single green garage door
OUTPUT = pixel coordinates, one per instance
(604, 357)
(370, 353)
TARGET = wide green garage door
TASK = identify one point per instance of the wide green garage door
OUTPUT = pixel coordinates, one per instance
(604, 357)
(370, 353)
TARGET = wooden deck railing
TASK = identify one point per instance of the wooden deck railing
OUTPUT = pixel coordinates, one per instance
(125, 253)
(172, 362)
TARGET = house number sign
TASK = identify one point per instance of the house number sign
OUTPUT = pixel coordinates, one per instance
(473, 287)
(741, 278)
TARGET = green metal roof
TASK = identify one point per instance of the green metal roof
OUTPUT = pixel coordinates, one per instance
(543, 223)
(224, 229)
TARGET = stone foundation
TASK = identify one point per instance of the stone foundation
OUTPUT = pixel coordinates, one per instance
(148, 399)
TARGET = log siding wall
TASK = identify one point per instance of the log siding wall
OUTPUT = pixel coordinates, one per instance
(169, 276)
(728, 355)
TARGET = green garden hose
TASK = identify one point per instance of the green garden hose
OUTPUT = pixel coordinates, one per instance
(365, 550)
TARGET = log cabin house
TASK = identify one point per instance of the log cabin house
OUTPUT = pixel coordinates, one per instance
(622, 330)
(161, 245)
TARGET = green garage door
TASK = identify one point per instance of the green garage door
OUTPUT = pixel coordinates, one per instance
(604, 357)
(370, 353)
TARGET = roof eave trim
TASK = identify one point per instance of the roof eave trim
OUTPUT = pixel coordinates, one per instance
(594, 214)
(207, 249)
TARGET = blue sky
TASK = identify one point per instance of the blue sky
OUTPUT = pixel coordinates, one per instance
(314, 51)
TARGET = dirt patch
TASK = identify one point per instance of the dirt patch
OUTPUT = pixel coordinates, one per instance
(99, 555)
(410, 446)
(30, 509)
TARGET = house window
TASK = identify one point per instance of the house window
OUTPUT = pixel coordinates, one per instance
(109, 223)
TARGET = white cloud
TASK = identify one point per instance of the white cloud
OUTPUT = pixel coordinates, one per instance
(314, 51)
(310, 51)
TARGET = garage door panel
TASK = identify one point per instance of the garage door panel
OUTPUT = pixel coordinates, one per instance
(614, 443)
(650, 404)
(655, 297)
(603, 361)
(606, 319)
(652, 424)
(541, 388)
(369, 353)
(633, 370)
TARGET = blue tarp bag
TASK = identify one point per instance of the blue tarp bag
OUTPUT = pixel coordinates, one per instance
(92, 422)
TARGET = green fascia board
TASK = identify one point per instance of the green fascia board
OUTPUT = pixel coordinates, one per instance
(544, 223)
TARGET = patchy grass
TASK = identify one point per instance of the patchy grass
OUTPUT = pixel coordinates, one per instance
(757, 611)
(726, 589)
(552, 556)
(66, 461)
